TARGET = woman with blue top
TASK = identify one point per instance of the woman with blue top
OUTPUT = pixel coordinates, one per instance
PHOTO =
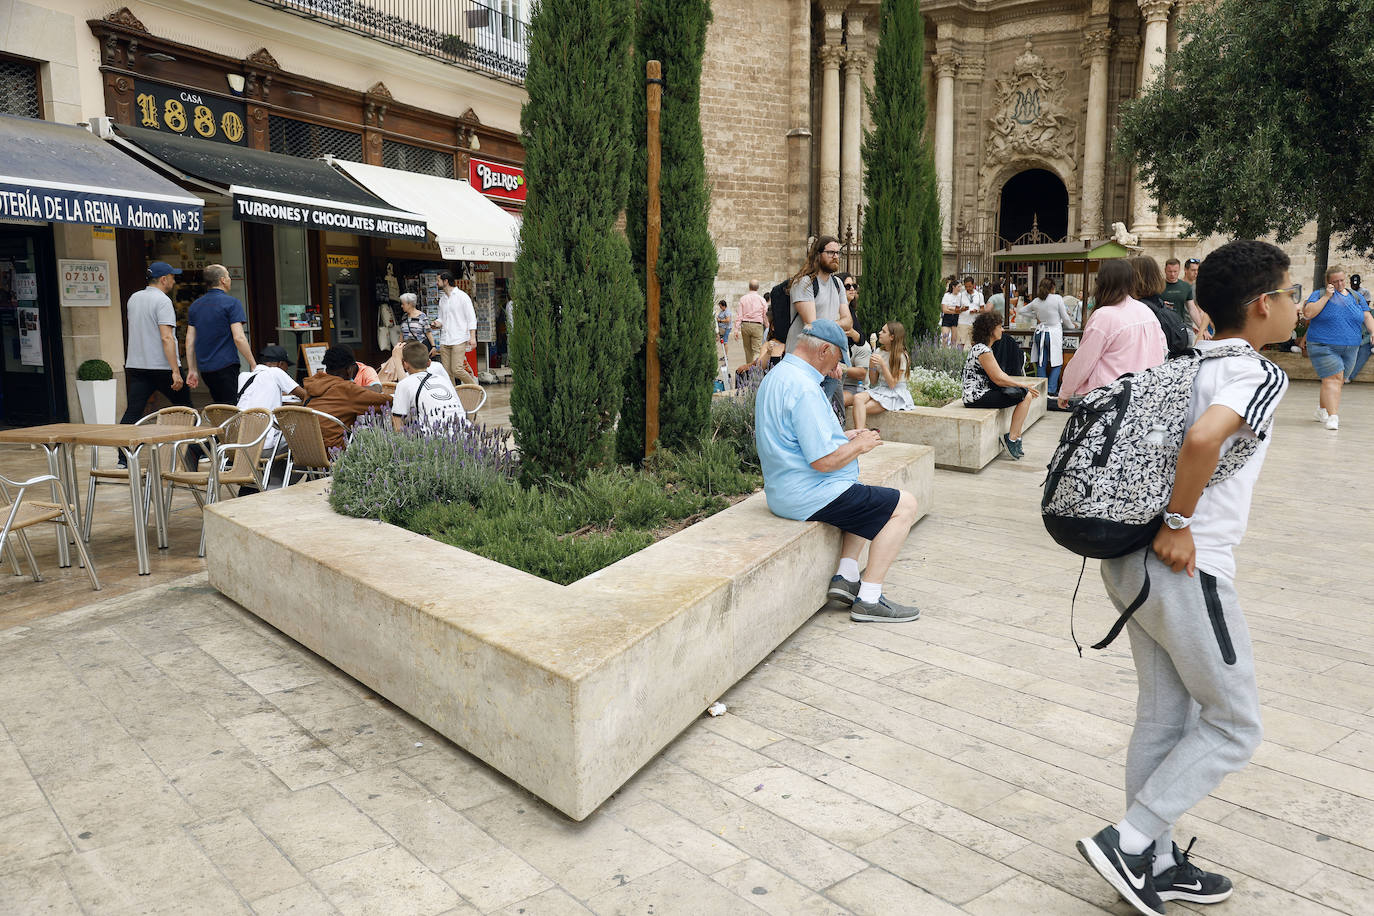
(1335, 316)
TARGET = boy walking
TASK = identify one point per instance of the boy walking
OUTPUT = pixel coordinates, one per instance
(426, 395)
(1198, 715)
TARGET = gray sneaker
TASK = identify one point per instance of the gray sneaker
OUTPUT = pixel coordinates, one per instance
(842, 590)
(882, 611)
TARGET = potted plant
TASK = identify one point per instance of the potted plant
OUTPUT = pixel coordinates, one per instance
(95, 387)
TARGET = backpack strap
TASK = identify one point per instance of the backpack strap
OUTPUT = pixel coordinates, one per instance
(1134, 606)
(252, 377)
(419, 407)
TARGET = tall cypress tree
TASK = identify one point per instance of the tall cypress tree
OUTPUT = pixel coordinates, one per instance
(902, 249)
(673, 32)
(573, 280)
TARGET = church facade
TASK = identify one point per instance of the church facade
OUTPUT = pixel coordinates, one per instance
(1022, 105)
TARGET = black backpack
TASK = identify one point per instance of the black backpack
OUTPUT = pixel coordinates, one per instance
(1176, 334)
(780, 311)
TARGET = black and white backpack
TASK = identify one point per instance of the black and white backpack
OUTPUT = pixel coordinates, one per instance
(1112, 474)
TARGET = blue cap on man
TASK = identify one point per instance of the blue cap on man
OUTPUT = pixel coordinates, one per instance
(830, 332)
(159, 269)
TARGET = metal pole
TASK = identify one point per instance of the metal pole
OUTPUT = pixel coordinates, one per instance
(653, 230)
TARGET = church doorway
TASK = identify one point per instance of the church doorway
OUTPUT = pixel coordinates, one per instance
(1033, 199)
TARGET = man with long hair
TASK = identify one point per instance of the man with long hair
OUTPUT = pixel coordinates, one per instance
(817, 294)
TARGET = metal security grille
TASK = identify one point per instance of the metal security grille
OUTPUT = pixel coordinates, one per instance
(410, 158)
(19, 89)
(311, 141)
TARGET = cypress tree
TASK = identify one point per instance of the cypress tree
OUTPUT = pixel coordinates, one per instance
(673, 32)
(573, 280)
(901, 239)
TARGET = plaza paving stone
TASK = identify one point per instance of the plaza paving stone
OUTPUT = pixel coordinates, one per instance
(162, 750)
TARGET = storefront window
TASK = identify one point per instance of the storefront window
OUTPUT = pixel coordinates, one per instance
(293, 275)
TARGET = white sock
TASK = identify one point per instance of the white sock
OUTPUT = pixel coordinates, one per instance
(849, 569)
(869, 592)
(1164, 860)
(1132, 840)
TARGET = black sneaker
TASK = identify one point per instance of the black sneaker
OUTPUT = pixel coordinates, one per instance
(882, 611)
(843, 590)
(1185, 881)
(1010, 445)
(1131, 875)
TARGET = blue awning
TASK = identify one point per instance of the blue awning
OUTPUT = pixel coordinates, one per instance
(57, 173)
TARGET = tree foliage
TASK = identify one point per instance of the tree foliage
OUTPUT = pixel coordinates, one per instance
(901, 236)
(673, 32)
(574, 286)
(1261, 121)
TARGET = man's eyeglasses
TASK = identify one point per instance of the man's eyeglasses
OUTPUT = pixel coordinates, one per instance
(834, 251)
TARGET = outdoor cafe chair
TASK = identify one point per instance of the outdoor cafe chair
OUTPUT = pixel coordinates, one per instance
(472, 397)
(303, 435)
(168, 454)
(20, 514)
(234, 452)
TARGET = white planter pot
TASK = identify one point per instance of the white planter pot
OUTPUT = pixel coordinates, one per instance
(97, 401)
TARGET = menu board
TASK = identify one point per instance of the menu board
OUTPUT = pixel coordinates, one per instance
(484, 304)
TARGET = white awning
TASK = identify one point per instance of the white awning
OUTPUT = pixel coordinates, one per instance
(467, 226)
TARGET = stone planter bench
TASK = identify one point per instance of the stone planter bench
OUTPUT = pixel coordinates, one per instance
(568, 690)
(964, 438)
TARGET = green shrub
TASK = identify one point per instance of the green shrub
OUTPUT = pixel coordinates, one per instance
(930, 388)
(732, 421)
(927, 351)
(94, 370)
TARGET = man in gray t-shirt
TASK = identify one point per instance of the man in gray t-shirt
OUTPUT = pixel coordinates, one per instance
(152, 364)
(818, 294)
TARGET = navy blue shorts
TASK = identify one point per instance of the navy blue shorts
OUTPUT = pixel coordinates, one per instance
(861, 510)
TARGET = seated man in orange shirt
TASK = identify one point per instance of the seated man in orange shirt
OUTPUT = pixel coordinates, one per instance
(334, 392)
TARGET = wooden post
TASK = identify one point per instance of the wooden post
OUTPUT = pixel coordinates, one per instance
(653, 230)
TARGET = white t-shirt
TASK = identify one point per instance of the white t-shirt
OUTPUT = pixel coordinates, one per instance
(948, 300)
(974, 301)
(269, 384)
(457, 316)
(149, 312)
(1252, 388)
(428, 396)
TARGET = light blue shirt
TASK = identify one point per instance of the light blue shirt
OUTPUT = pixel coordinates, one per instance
(794, 426)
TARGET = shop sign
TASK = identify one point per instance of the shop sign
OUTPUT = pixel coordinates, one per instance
(342, 261)
(55, 205)
(297, 211)
(189, 112)
(83, 282)
(472, 251)
(496, 180)
(103, 233)
(26, 287)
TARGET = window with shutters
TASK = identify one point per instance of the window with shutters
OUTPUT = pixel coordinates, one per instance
(311, 141)
(19, 93)
(410, 158)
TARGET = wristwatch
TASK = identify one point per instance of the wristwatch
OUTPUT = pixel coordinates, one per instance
(1176, 521)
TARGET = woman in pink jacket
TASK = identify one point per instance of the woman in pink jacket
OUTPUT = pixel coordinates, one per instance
(1122, 335)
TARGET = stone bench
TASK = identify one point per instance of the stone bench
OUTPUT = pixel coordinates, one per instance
(964, 438)
(568, 690)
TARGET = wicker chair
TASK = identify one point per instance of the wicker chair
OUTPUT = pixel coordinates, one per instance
(233, 462)
(304, 438)
(168, 456)
(219, 414)
(472, 398)
(20, 514)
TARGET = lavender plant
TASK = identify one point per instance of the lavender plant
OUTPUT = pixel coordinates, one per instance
(927, 351)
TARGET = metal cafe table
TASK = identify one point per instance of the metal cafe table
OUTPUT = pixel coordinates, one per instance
(57, 440)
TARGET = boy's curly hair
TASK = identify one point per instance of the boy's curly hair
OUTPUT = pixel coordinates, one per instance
(1231, 277)
(984, 325)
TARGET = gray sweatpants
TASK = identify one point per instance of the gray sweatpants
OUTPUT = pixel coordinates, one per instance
(1197, 715)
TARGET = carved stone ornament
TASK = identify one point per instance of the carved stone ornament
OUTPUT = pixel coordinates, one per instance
(1155, 10)
(1031, 118)
(946, 63)
(123, 17)
(263, 58)
(831, 56)
(1096, 43)
(380, 91)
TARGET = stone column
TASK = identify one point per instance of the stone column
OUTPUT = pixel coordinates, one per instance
(851, 166)
(827, 220)
(1096, 46)
(799, 137)
(1156, 15)
(946, 64)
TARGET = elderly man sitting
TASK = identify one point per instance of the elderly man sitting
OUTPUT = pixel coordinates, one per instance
(811, 471)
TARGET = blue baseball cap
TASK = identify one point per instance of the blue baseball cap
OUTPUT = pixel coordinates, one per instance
(830, 332)
(162, 269)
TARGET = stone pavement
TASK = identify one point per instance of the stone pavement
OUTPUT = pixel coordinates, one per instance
(163, 751)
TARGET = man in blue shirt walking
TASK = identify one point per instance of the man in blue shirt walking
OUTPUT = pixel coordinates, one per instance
(811, 471)
(214, 331)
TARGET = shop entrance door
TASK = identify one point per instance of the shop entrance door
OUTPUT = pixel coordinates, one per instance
(32, 378)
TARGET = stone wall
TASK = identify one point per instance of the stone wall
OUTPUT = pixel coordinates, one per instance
(744, 119)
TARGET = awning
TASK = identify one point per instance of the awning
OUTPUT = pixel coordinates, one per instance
(1086, 250)
(467, 226)
(56, 173)
(272, 187)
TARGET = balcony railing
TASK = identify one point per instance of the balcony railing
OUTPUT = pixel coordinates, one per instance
(457, 31)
